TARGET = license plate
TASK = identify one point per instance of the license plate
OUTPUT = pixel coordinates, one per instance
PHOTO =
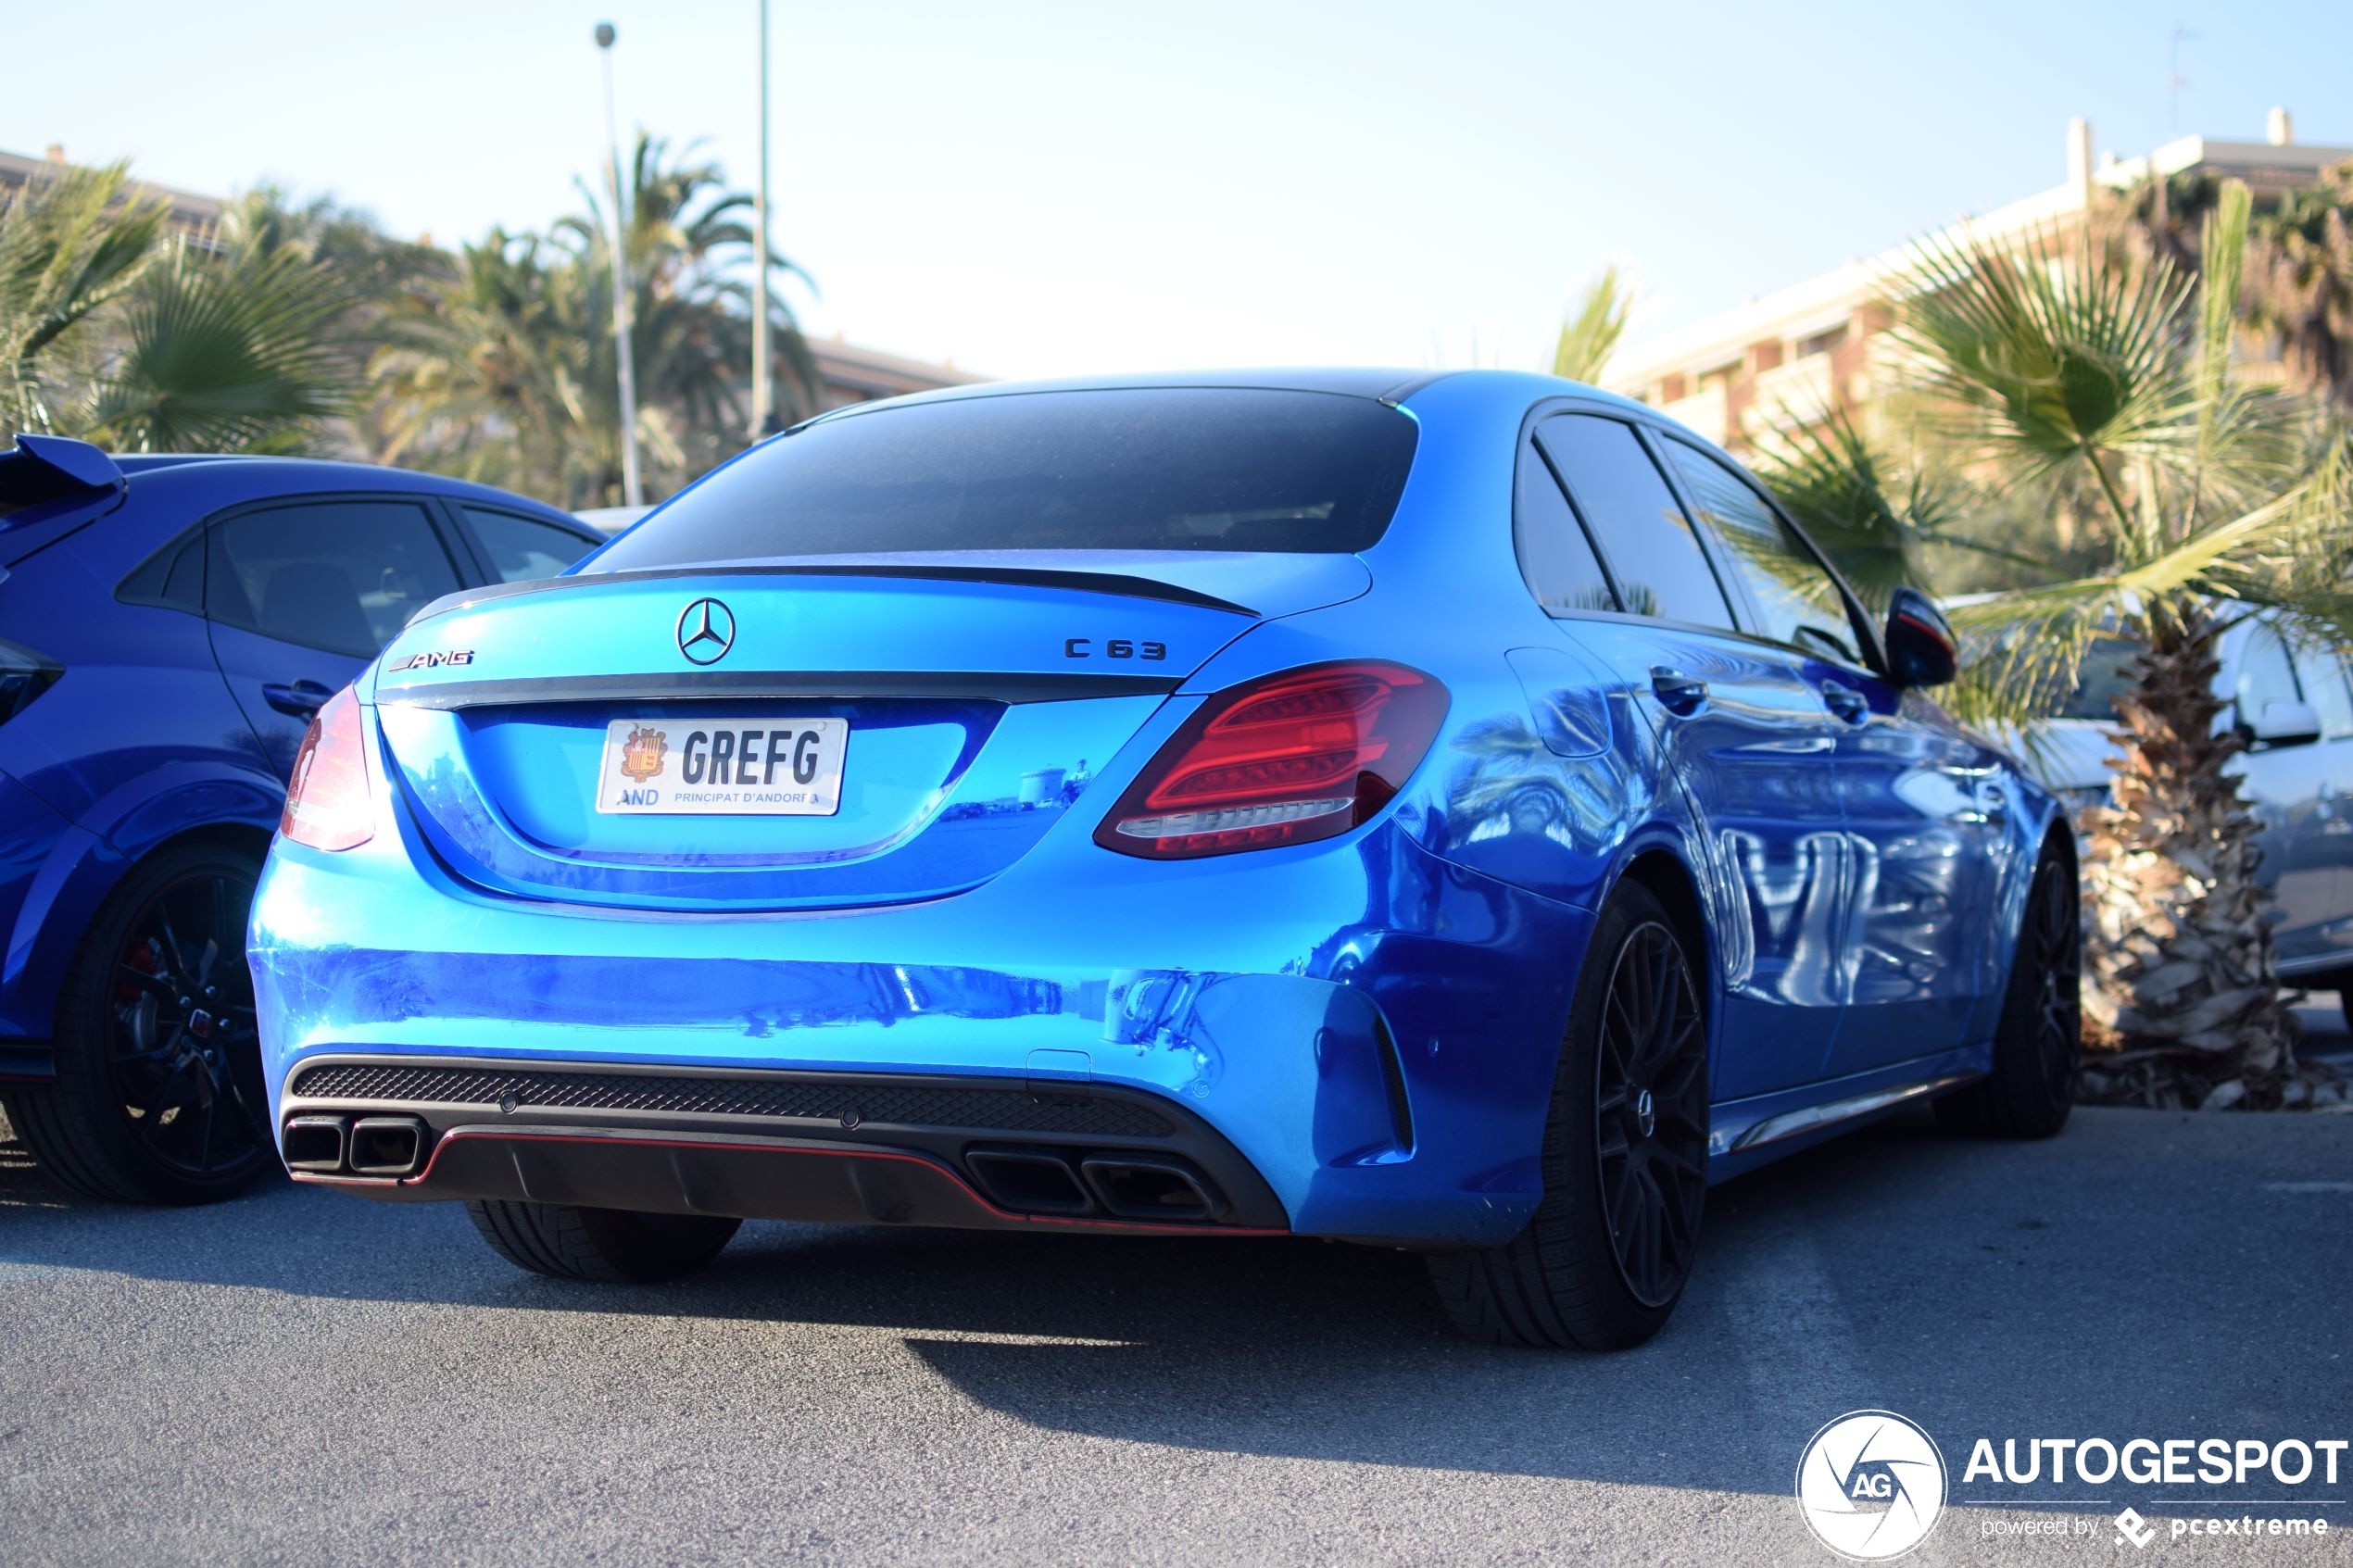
(722, 767)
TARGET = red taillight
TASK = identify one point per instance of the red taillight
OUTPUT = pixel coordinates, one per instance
(327, 805)
(1292, 758)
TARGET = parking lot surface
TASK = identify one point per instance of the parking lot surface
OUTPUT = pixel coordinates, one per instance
(302, 1377)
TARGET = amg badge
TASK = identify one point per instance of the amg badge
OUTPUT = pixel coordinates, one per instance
(431, 660)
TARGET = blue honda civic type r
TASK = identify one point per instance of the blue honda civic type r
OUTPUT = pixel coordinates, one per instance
(169, 625)
(1453, 812)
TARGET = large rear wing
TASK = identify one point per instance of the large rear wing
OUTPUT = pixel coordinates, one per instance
(42, 471)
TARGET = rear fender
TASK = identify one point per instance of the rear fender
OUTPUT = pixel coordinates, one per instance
(89, 857)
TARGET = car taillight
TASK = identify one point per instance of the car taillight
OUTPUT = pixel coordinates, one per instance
(23, 676)
(327, 804)
(1289, 759)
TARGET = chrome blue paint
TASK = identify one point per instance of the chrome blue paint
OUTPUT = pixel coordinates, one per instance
(1372, 1021)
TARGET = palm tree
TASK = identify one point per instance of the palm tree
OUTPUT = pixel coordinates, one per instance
(508, 372)
(468, 377)
(2100, 383)
(114, 331)
(222, 345)
(2300, 285)
(2296, 285)
(72, 242)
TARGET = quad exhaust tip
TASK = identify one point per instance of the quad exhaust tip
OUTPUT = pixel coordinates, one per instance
(356, 1145)
(1141, 1187)
(1125, 1186)
(1029, 1181)
(387, 1145)
(317, 1144)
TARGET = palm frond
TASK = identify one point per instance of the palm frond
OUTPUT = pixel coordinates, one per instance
(2037, 356)
(1867, 518)
(71, 242)
(1590, 337)
(223, 354)
(2290, 553)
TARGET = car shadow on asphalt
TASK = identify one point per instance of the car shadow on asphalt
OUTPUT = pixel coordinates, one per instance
(1898, 1267)
(1298, 1348)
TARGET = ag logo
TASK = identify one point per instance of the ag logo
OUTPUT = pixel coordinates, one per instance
(1871, 1484)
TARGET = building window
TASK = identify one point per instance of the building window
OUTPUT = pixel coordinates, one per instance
(1823, 342)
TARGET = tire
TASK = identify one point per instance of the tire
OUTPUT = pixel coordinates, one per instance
(610, 1245)
(158, 1097)
(1626, 1134)
(2038, 1044)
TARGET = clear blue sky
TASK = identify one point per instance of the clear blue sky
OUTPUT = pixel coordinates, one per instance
(1046, 189)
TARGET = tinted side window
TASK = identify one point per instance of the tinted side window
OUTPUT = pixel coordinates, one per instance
(185, 585)
(1653, 556)
(339, 575)
(2265, 675)
(522, 548)
(1554, 555)
(1796, 600)
(174, 577)
(2322, 677)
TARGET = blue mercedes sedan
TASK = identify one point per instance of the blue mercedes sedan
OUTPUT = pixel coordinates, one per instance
(169, 625)
(1456, 812)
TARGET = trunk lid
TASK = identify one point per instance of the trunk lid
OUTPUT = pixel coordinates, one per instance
(981, 698)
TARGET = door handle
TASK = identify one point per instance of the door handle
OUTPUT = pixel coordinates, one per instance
(1995, 802)
(301, 699)
(1845, 703)
(1678, 692)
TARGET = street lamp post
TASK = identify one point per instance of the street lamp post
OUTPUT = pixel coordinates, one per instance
(764, 390)
(633, 488)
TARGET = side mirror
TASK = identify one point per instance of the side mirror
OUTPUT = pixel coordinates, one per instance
(2284, 724)
(1921, 649)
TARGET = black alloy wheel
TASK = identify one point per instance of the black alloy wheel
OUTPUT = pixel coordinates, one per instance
(1603, 1259)
(2038, 1043)
(2056, 934)
(158, 1097)
(1650, 1109)
(184, 1055)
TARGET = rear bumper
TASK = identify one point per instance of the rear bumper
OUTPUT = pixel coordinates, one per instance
(1353, 1038)
(865, 1148)
(38, 853)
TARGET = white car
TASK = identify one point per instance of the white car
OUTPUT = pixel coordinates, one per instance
(2297, 711)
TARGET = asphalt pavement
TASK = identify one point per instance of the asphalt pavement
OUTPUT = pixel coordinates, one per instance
(303, 1377)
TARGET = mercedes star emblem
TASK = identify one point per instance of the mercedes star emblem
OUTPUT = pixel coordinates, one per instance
(705, 630)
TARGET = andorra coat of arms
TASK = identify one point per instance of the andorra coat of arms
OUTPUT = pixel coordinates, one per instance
(642, 753)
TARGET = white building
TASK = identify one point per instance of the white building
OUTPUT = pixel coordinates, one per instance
(1793, 355)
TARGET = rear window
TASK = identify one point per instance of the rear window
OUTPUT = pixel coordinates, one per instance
(1160, 469)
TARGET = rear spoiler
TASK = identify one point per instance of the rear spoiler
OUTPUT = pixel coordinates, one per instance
(43, 469)
(1115, 583)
